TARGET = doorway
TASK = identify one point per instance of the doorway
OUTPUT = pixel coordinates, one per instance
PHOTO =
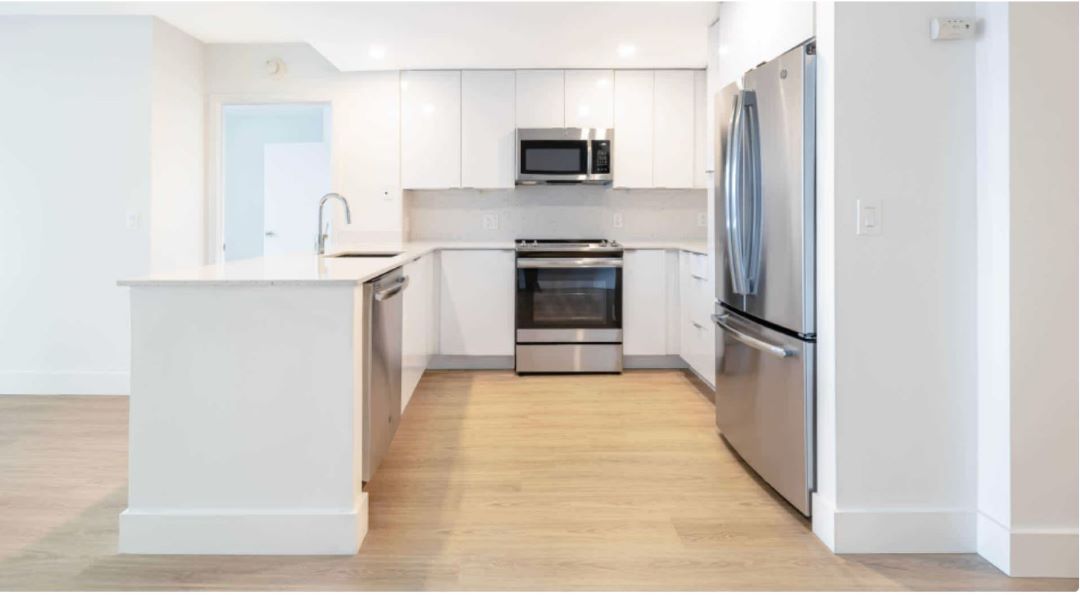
(275, 167)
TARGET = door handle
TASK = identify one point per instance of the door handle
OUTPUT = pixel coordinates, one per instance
(385, 294)
(750, 341)
(271, 234)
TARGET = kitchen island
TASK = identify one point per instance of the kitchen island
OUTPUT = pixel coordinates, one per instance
(246, 409)
(245, 416)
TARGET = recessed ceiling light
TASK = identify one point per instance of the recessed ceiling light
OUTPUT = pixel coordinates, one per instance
(377, 51)
(627, 50)
(429, 109)
(601, 82)
(722, 50)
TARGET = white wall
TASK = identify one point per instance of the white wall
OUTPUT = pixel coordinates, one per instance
(903, 402)
(365, 136)
(1027, 489)
(80, 158)
(74, 165)
(177, 156)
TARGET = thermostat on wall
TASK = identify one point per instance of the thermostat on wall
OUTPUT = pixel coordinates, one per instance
(943, 28)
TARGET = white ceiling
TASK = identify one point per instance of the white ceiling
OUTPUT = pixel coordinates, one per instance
(416, 35)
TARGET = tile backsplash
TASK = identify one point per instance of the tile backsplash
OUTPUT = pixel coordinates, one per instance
(555, 212)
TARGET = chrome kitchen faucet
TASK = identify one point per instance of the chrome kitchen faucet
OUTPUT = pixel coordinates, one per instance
(322, 202)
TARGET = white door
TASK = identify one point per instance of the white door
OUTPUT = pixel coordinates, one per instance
(295, 176)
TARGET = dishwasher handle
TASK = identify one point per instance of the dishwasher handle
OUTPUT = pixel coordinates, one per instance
(749, 341)
(389, 292)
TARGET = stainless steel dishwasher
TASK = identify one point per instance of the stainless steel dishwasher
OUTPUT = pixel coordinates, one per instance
(382, 365)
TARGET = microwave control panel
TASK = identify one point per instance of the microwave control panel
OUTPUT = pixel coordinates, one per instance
(601, 157)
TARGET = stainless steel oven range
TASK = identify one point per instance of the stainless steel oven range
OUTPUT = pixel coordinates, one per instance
(569, 306)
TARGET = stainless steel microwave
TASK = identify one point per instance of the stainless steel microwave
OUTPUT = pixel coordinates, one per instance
(564, 155)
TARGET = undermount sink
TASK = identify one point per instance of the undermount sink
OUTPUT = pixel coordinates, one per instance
(370, 254)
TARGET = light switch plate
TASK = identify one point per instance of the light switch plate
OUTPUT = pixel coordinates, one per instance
(870, 218)
(616, 220)
(702, 220)
(491, 221)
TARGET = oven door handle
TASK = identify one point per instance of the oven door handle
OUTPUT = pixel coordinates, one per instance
(569, 263)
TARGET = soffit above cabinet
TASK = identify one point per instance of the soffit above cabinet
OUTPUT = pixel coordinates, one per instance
(441, 35)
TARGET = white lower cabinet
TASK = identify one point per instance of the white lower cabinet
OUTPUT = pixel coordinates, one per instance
(645, 302)
(476, 302)
(418, 330)
(696, 329)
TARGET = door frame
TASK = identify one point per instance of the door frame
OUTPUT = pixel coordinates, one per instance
(214, 219)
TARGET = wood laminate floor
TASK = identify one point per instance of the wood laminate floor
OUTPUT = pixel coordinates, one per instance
(493, 482)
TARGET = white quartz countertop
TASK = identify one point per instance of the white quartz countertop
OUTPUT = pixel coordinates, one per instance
(309, 269)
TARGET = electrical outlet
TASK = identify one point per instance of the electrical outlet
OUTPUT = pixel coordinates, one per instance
(491, 221)
(702, 220)
(616, 221)
(133, 220)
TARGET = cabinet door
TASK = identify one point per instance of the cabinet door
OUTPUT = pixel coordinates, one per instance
(645, 323)
(633, 150)
(589, 98)
(540, 99)
(487, 129)
(431, 129)
(415, 326)
(476, 302)
(696, 345)
(701, 131)
(712, 74)
(673, 126)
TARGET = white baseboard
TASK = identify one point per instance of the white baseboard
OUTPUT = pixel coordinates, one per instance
(300, 532)
(895, 531)
(992, 541)
(823, 513)
(1043, 553)
(471, 362)
(64, 383)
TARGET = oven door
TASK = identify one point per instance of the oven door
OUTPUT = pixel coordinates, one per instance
(569, 300)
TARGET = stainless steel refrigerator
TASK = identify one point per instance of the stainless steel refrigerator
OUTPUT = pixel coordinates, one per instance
(765, 271)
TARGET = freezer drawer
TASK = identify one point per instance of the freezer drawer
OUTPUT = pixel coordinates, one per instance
(765, 403)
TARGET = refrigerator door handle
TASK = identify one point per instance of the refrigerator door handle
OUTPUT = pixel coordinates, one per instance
(752, 225)
(732, 201)
(754, 342)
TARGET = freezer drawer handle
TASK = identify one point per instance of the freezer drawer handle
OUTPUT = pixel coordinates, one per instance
(749, 341)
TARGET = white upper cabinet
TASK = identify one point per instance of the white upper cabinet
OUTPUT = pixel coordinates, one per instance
(589, 98)
(712, 86)
(487, 129)
(633, 129)
(431, 129)
(540, 99)
(673, 129)
(701, 131)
